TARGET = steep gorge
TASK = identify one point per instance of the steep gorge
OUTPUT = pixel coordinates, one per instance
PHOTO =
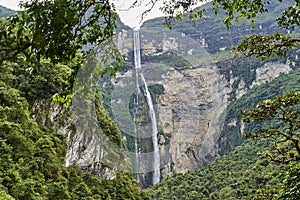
(191, 107)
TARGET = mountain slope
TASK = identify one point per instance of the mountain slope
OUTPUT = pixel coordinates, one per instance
(6, 12)
(234, 176)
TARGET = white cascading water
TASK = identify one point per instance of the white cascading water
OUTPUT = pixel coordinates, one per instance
(156, 157)
(137, 49)
(137, 63)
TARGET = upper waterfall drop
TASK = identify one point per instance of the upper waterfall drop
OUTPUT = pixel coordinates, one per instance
(137, 49)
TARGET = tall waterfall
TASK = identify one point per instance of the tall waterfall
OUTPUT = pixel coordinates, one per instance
(137, 63)
(156, 157)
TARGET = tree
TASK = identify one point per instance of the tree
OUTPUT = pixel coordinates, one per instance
(291, 184)
(59, 33)
(278, 120)
(57, 29)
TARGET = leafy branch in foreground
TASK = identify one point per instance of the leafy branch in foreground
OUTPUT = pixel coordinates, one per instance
(60, 33)
(267, 46)
(279, 121)
(291, 184)
(58, 29)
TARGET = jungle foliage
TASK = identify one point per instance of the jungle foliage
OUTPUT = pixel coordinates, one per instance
(237, 175)
(33, 153)
(33, 156)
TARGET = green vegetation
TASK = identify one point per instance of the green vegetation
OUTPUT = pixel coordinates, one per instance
(39, 60)
(32, 156)
(278, 120)
(70, 26)
(243, 173)
(232, 131)
(291, 187)
(253, 176)
(108, 126)
(156, 90)
(236, 175)
(264, 46)
(33, 153)
(169, 59)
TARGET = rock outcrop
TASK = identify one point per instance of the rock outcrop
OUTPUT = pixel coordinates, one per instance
(189, 114)
(87, 145)
(269, 71)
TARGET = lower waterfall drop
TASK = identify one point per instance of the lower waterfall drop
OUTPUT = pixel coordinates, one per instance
(156, 158)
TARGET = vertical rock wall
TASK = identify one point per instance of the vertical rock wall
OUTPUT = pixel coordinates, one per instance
(191, 110)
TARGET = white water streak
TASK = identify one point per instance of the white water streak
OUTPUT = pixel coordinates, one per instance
(137, 63)
(156, 157)
(137, 49)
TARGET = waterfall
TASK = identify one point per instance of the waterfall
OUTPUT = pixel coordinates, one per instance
(156, 157)
(137, 63)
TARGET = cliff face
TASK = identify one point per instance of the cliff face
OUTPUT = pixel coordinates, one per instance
(88, 130)
(88, 147)
(189, 113)
(191, 109)
(269, 71)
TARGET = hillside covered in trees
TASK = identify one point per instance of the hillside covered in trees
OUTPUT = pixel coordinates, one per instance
(33, 152)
